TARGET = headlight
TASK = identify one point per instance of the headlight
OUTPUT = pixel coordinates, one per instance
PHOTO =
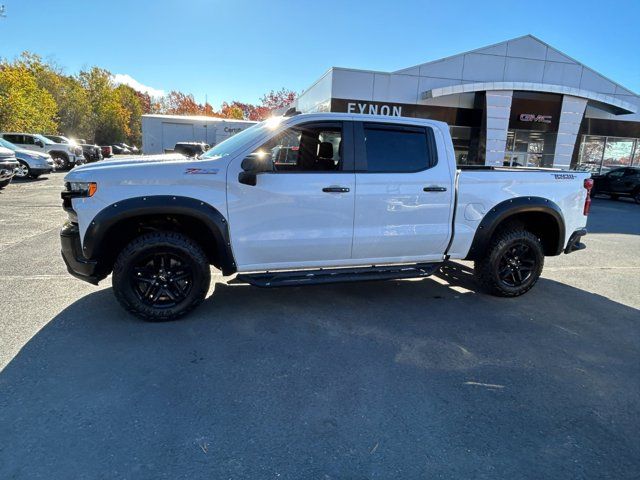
(82, 189)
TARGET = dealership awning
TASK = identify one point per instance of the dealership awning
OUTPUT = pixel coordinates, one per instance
(605, 102)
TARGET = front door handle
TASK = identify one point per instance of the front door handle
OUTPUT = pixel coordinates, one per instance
(335, 189)
(434, 188)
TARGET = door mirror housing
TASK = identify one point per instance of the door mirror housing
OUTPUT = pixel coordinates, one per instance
(252, 165)
(38, 143)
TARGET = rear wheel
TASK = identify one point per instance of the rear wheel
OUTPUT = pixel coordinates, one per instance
(4, 183)
(161, 276)
(512, 264)
(636, 196)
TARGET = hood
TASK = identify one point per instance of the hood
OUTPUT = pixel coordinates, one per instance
(138, 160)
(31, 153)
(6, 154)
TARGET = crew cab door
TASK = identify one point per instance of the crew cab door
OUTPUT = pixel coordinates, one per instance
(301, 213)
(404, 194)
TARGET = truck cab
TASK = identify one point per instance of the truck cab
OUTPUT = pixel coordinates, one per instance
(314, 198)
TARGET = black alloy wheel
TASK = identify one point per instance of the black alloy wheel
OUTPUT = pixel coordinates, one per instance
(161, 276)
(516, 265)
(162, 280)
(512, 263)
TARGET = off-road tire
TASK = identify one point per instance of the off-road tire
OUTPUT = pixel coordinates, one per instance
(487, 268)
(159, 244)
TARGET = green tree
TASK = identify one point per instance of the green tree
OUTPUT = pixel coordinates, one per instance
(108, 119)
(24, 105)
(131, 102)
(71, 98)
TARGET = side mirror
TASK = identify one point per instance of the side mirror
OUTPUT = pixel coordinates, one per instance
(252, 165)
(38, 143)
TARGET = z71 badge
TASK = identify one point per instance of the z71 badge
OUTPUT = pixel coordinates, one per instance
(201, 171)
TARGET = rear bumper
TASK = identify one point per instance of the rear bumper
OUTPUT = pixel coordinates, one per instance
(77, 265)
(7, 169)
(574, 242)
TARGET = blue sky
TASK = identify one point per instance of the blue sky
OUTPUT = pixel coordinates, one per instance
(238, 50)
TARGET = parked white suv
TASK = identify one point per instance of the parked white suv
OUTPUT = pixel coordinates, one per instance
(314, 198)
(63, 155)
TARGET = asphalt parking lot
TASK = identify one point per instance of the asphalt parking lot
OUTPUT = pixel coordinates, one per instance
(398, 379)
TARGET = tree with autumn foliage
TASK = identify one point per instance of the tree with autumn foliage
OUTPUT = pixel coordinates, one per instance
(37, 96)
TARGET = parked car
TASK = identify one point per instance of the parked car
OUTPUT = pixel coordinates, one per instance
(158, 225)
(191, 149)
(619, 182)
(91, 153)
(63, 155)
(107, 151)
(30, 163)
(8, 165)
(118, 149)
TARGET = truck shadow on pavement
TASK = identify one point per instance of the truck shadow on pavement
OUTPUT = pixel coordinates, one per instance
(394, 379)
(614, 216)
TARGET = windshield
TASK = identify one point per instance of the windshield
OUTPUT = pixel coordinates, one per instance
(246, 136)
(44, 140)
(8, 145)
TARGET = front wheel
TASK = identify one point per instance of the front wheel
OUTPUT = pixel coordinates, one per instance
(161, 276)
(23, 170)
(512, 264)
(60, 161)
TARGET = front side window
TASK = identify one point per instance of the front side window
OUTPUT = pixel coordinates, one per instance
(396, 149)
(306, 148)
(28, 140)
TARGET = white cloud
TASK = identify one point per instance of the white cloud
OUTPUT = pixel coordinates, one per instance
(123, 78)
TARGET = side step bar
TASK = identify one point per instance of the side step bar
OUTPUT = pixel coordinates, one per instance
(335, 275)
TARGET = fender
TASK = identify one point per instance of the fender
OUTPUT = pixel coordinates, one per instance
(503, 210)
(215, 222)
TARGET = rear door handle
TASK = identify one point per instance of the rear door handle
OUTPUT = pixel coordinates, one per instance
(335, 189)
(434, 188)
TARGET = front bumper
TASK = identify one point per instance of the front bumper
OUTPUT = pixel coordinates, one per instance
(77, 264)
(574, 243)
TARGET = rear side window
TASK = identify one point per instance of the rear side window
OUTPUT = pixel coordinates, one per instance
(13, 138)
(396, 148)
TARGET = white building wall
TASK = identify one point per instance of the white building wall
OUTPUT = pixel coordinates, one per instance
(498, 105)
(571, 114)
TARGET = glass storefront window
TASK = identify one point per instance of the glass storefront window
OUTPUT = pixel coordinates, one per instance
(465, 144)
(617, 152)
(529, 148)
(599, 154)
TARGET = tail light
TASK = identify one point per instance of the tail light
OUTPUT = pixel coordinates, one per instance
(588, 185)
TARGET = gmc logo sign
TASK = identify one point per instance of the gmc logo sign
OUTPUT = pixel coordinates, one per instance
(530, 117)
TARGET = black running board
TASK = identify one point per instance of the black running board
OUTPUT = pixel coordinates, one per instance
(335, 275)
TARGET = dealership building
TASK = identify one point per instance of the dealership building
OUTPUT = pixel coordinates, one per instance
(520, 102)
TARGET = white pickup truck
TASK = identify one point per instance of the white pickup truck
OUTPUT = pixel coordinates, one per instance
(314, 198)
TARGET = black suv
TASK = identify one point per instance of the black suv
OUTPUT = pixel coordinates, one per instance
(621, 182)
